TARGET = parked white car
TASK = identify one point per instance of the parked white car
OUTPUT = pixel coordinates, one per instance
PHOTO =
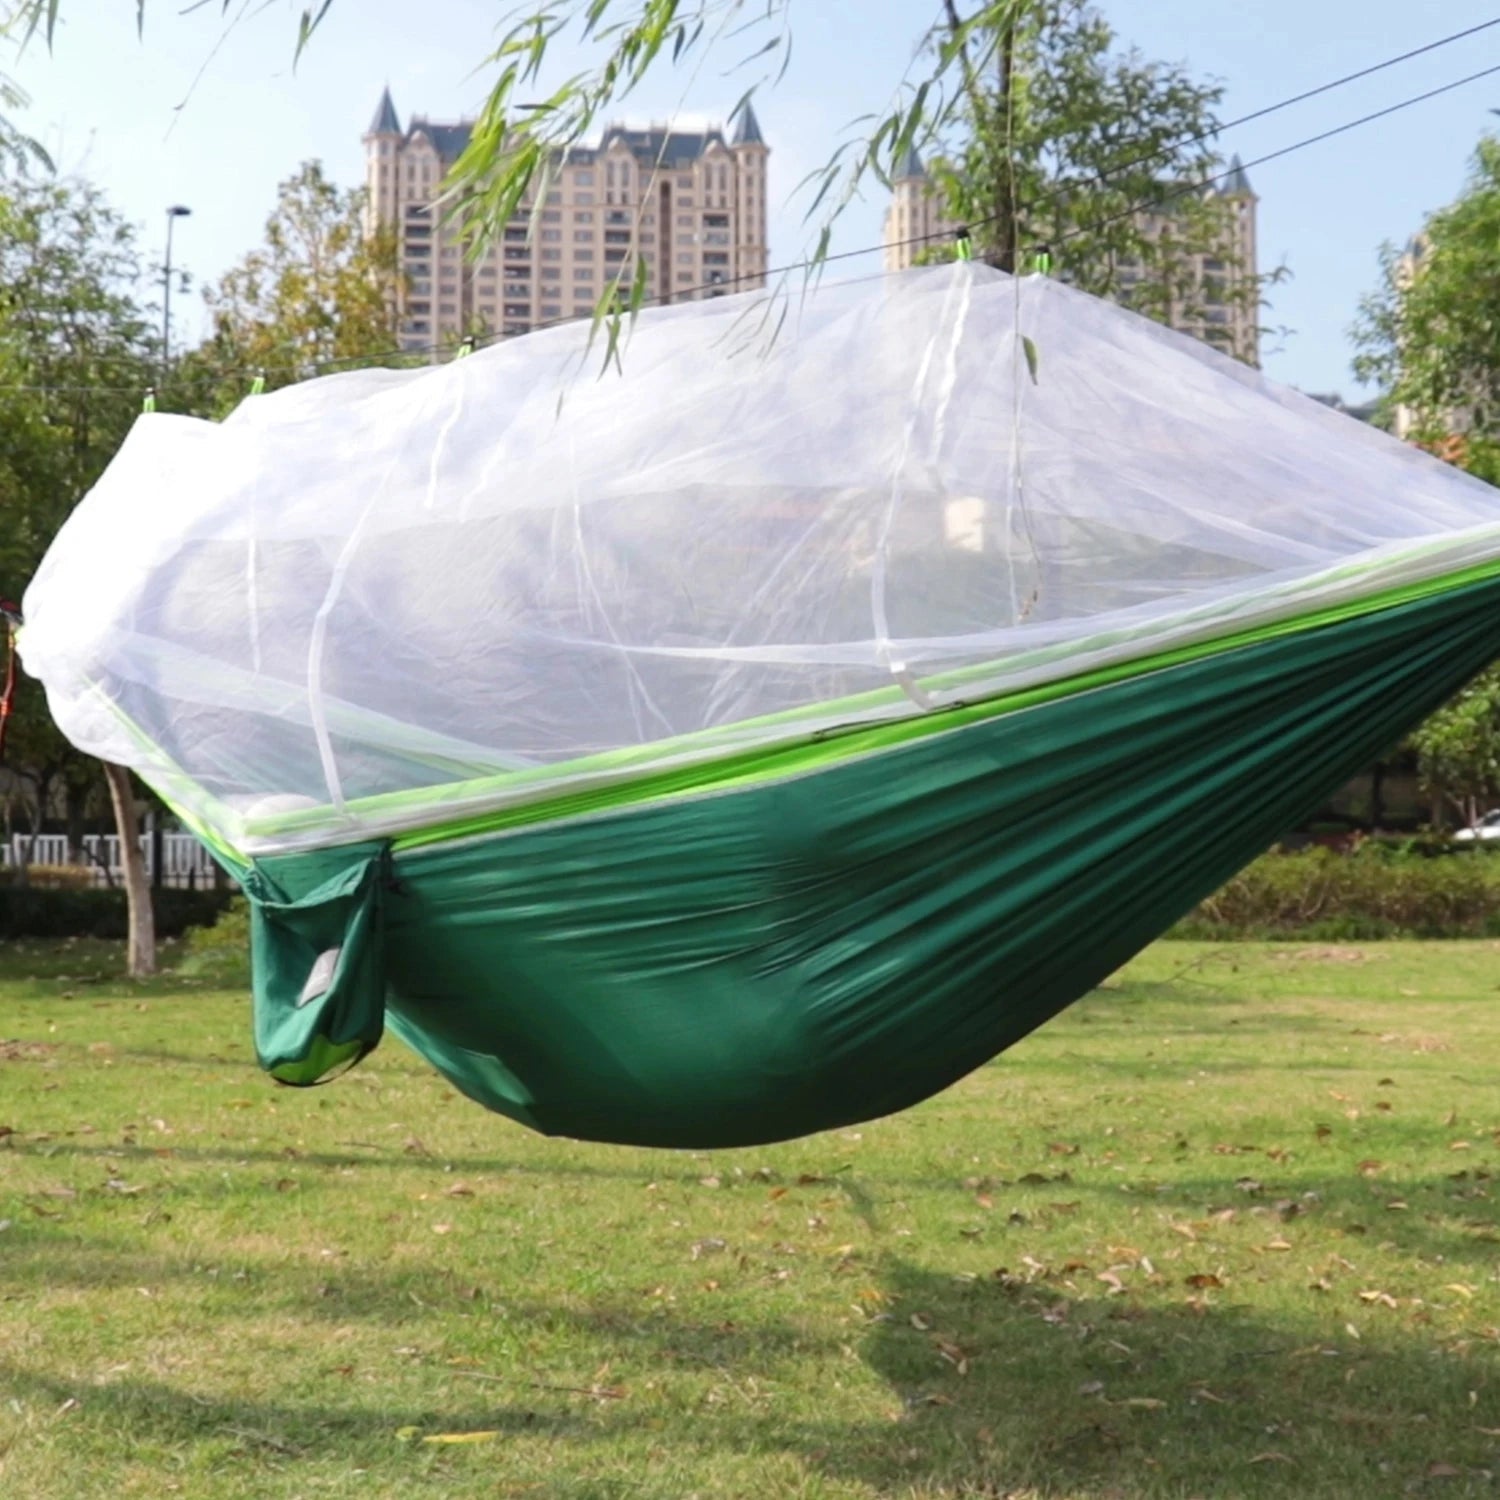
(1486, 829)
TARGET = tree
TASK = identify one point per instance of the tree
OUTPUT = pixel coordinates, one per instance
(1429, 335)
(1063, 141)
(320, 289)
(1458, 750)
(76, 354)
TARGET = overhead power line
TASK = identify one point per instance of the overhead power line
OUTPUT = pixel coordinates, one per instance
(1198, 185)
(1158, 200)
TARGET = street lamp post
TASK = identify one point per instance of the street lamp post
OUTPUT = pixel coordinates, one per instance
(175, 212)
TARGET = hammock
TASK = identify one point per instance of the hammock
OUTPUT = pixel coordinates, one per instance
(757, 740)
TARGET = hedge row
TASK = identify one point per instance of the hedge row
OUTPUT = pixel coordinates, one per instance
(1314, 894)
(38, 912)
(1369, 894)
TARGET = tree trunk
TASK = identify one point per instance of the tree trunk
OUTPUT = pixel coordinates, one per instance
(141, 949)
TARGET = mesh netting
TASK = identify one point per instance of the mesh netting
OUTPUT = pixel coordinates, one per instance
(501, 573)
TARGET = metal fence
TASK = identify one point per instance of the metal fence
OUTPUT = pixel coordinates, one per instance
(185, 862)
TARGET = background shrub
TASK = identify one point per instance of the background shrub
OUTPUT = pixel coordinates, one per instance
(221, 950)
(32, 911)
(68, 877)
(1389, 889)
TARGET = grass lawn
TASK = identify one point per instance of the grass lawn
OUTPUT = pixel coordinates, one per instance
(1227, 1228)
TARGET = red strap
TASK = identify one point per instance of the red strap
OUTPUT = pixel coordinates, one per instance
(8, 695)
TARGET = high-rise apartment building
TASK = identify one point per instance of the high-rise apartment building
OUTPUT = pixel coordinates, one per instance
(690, 204)
(916, 221)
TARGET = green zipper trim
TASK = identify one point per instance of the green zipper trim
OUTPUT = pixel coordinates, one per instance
(809, 751)
(827, 747)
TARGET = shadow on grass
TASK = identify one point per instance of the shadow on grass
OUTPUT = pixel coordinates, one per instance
(992, 1387)
(1443, 1217)
(1103, 1398)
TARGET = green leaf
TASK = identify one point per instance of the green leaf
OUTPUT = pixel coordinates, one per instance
(1032, 359)
(309, 24)
(638, 286)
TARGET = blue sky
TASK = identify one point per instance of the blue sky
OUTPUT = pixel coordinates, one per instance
(130, 115)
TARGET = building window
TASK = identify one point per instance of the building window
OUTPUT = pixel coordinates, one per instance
(583, 255)
(551, 254)
(583, 236)
(447, 309)
(551, 216)
(616, 236)
(583, 197)
(551, 310)
(583, 179)
(684, 278)
(685, 257)
(517, 309)
(582, 310)
(552, 235)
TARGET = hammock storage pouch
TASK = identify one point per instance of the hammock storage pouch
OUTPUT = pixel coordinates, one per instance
(317, 946)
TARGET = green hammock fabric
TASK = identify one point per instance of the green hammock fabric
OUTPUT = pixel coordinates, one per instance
(797, 953)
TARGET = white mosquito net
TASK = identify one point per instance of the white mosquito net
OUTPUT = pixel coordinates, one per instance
(448, 587)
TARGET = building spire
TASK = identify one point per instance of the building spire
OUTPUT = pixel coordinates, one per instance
(747, 128)
(386, 121)
(1236, 181)
(910, 165)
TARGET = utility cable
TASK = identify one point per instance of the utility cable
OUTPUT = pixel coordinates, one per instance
(1098, 179)
(760, 277)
